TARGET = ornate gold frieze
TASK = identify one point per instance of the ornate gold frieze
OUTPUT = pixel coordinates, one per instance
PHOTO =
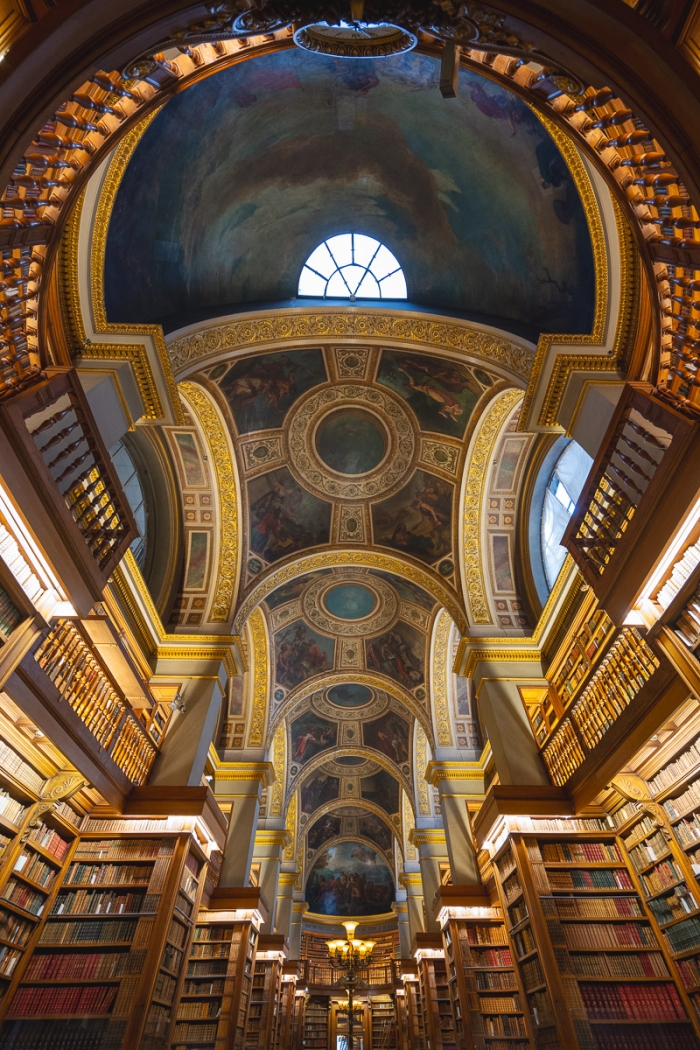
(224, 471)
(408, 825)
(260, 653)
(439, 683)
(421, 764)
(491, 423)
(278, 760)
(332, 323)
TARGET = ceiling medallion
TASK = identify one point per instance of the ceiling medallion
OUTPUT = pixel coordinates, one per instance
(350, 442)
(330, 605)
(355, 39)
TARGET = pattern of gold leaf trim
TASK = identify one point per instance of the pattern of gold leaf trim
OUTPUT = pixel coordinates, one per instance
(278, 760)
(439, 684)
(408, 826)
(147, 387)
(368, 559)
(259, 646)
(282, 326)
(291, 825)
(421, 765)
(491, 423)
(224, 470)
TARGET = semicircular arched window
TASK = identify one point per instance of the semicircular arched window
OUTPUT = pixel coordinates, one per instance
(563, 490)
(352, 266)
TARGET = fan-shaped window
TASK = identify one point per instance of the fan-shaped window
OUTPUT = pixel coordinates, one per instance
(352, 266)
(563, 489)
(133, 490)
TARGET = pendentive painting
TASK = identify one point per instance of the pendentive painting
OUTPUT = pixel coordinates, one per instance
(376, 830)
(287, 592)
(260, 390)
(382, 789)
(320, 789)
(325, 828)
(442, 394)
(399, 653)
(349, 878)
(284, 517)
(390, 735)
(301, 653)
(408, 591)
(418, 519)
(311, 735)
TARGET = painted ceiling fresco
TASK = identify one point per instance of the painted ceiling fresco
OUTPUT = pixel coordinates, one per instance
(241, 176)
(349, 878)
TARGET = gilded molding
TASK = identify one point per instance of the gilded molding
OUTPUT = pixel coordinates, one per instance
(291, 824)
(341, 803)
(438, 771)
(408, 825)
(273, 837)
(500, 656)
(331, 323)
(428, 837)
(263, 772)
(136, 354)
(367, 559)
(421, 764)
(259, 645)
(491, 424)
(278, 760)
(439, 684)
(320, 760)
(224, 471)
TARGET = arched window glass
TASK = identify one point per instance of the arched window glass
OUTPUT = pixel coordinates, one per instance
(352, 266)
(133, 490)
(563, 489)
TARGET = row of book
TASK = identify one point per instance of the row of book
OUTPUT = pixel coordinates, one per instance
(204, 986)
(622, 964)
(59, 1035)
(121, 849)
(505, 1004)
(10, 616)
(24, 896)
(14, 764)
(209, 951)
(114, 874)
(684, 935)
(620, 1002)
(663, 877)
(164, 987)
(504, 982)
(600, 879)
(18, 565)
(687, 831)
(606, 935)
(642, 829)
(674, 905)
(688, 800)
(490, 934)
(213, 933)
(197, 1010)
(687, 625)
(495, 957)
(49, 840)
(585, 852)
(531, 972)
(103, 902)
(504, 1024)
(10, 808)
(680, 572)
(597, 908)
(645, 1037)
(9, 957)
(676, 770)
(651, 849)
(195, 1032)
(89, 931)
(65, 999)
(33, 866)
(76, 966)
(15, 929)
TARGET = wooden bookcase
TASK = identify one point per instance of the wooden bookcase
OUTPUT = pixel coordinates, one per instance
(316, 1022)
(486, 995)
(214, 996)
(594, 967)
(415, 1015)
(262, 1023)
(384, 1024)
(435, 998)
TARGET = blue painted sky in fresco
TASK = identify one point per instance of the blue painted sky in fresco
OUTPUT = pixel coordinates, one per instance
(241, 176)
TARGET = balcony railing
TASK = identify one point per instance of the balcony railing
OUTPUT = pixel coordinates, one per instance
(639, 488)
(54, 432)
(83, 682)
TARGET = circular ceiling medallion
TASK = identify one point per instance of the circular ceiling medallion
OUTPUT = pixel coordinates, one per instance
(350, 601)
(350, 695)
(355, 39)
(351, 441)
(350, 598)
(365, 433)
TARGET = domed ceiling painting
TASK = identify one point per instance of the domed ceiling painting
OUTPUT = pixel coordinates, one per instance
(241, 176)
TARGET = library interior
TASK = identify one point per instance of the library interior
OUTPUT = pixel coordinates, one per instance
(349, 525)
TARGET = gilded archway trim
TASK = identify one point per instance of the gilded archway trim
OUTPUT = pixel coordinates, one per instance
(472, 504)
(260, 659)
(439, 680)
(422, 790)
(318, 761)
(225, 472)
(337, 839)
(279, 754)
(364, 558)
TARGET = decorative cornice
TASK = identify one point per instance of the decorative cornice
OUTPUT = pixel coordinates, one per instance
(438, 771)
(520, 655)
(427, 837)
(472, 556)
(283, 327)
(225, 473)
(263, 772)
(272, 838)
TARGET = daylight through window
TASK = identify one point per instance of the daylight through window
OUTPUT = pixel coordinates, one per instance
(352, 266)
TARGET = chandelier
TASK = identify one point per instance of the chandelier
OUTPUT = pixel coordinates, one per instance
(350, 957)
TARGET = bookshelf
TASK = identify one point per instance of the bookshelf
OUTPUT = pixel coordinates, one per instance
(262, 1022)
(104, 952)
(316, 1018)
(436, 1001)
(487, 999)
(384, 1023)
(213, 997)
(593, 963)
(415, 1016)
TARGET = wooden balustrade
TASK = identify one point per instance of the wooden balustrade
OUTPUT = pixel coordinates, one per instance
(640, 486)
(82, 680)
(53, 429)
